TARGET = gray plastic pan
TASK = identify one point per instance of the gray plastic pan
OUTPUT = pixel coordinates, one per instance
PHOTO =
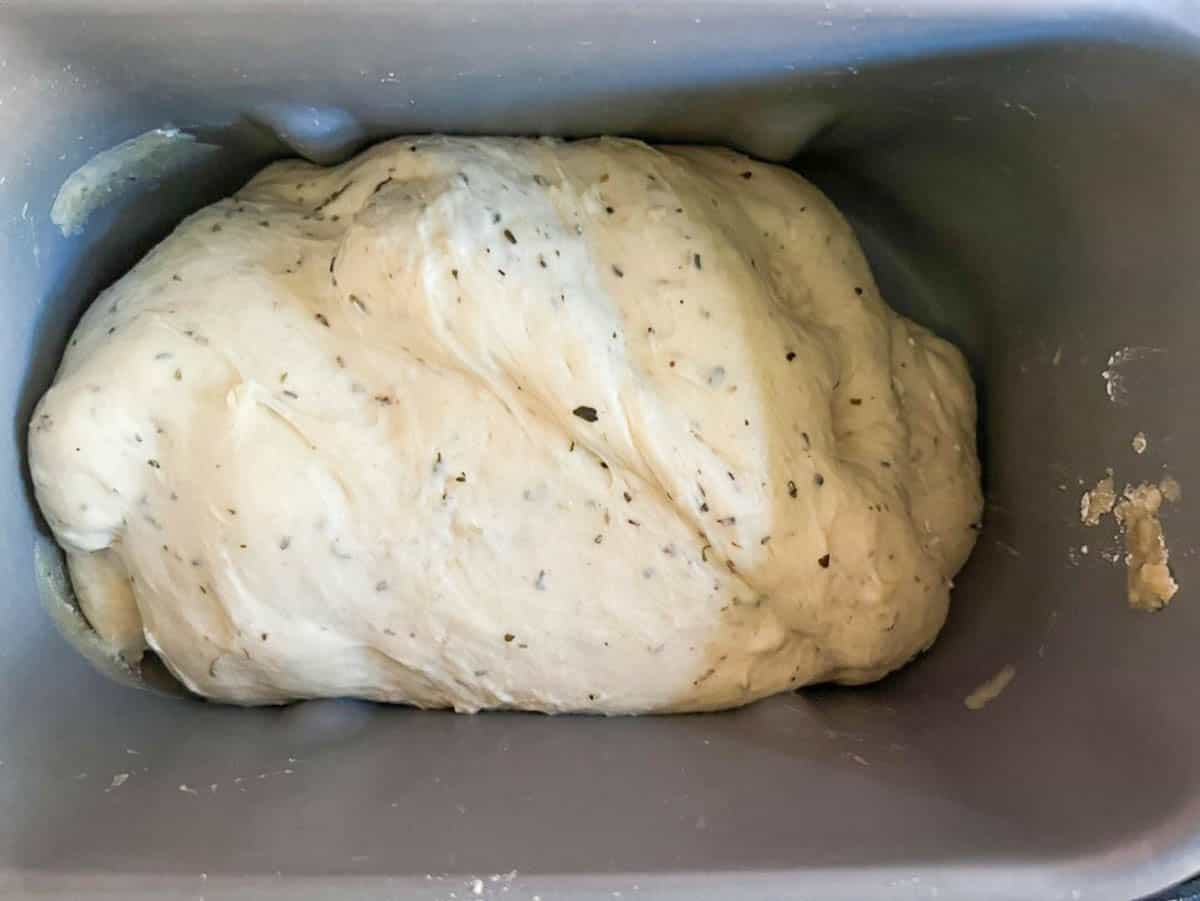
(1026, 180)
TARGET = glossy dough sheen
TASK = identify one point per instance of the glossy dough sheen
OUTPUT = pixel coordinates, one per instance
(508, 423)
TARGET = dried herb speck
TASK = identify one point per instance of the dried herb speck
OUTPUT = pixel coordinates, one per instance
(823, 561)
(320, 317)
(154, 464)
(508, 636)
(858, 291)
(791, 355)
(285, 542)
(819, 479)
(696, 261)
(599, 539)
(292, 394)
(587, 414)
(792, 492)
(461, 477)
(358, 304)
(747, 174)
(618, 271)
(512, 239)
(628, 497)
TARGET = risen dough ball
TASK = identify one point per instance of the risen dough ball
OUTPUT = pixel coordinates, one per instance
(511, 423)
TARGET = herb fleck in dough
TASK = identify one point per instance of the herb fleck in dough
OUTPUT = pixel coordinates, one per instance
(482, 423)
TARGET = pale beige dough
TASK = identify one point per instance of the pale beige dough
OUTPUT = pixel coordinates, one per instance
(482, 423)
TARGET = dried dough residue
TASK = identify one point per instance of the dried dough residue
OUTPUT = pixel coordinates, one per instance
(1098, 501)
(1149, 583)
(1139, 443)
(991, 689)
(1148, 578)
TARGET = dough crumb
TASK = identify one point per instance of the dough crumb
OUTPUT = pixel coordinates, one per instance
(1098, 501)
(991, 689)
(1139, 443)
(1149, 582)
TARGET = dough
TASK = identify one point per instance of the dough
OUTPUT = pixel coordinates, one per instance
(991, 689)
(483, 423)
(1149, 583)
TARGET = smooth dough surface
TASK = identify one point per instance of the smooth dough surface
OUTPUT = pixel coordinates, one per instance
(483, 423)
